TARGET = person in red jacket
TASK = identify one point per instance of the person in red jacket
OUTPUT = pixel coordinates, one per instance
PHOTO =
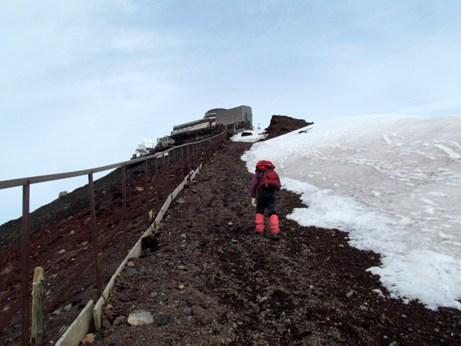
(264, 185)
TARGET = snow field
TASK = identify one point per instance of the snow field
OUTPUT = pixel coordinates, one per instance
(392, 182)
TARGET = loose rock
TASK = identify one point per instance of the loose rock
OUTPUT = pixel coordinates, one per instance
(88, 339)
(140, 317)
(163, 320)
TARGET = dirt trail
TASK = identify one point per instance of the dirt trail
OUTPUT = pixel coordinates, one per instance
(211, 281)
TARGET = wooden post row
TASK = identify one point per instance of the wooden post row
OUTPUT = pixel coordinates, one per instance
(38, 290)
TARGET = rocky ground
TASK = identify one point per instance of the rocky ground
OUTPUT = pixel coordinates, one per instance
(208, 280)
(61, 242)
(281, 124)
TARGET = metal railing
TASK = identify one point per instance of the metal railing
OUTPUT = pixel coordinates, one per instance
(186, 155)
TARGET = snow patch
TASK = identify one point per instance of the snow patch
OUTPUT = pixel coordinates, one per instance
(423, 275)
(254, 137)
(393, 183)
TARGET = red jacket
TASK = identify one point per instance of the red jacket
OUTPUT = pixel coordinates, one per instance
(272, 178)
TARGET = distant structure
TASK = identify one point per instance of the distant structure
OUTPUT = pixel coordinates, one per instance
(215, 120)
(234, 119)
(240, 114)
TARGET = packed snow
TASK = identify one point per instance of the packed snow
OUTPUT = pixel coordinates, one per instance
(394, 183)
(146, 145)
(249, 136)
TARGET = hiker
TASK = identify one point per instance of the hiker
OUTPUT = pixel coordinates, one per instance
(264, 185)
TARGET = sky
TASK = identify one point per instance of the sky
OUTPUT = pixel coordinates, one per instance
(83, 82)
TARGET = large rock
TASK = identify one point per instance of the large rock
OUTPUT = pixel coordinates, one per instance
(281, 124)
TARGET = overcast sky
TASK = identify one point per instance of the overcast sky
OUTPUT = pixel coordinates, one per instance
(83, 82)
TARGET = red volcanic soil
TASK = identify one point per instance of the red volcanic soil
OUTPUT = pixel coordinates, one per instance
(61, 242)
(281, 124)
(211, 281)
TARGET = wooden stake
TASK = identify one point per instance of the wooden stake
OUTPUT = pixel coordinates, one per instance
(38, 289)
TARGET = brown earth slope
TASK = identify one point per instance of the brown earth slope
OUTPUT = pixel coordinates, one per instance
(281, 124)
(211, 281)
(61, 242)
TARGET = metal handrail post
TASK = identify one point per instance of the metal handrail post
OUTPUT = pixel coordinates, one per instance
(125, 238)
(194, 155)
(146, 181)
(182, 161)
(25, 263)
(94, 234)
(189, 165)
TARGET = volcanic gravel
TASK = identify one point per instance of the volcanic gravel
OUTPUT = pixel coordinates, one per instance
(281, 124)
(208, 279)
(61, 242)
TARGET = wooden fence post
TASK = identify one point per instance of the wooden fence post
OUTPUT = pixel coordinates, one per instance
(38, 289)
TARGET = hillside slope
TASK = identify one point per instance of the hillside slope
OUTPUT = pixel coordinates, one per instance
(394, 183)
(211, 281)
(61, 242)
